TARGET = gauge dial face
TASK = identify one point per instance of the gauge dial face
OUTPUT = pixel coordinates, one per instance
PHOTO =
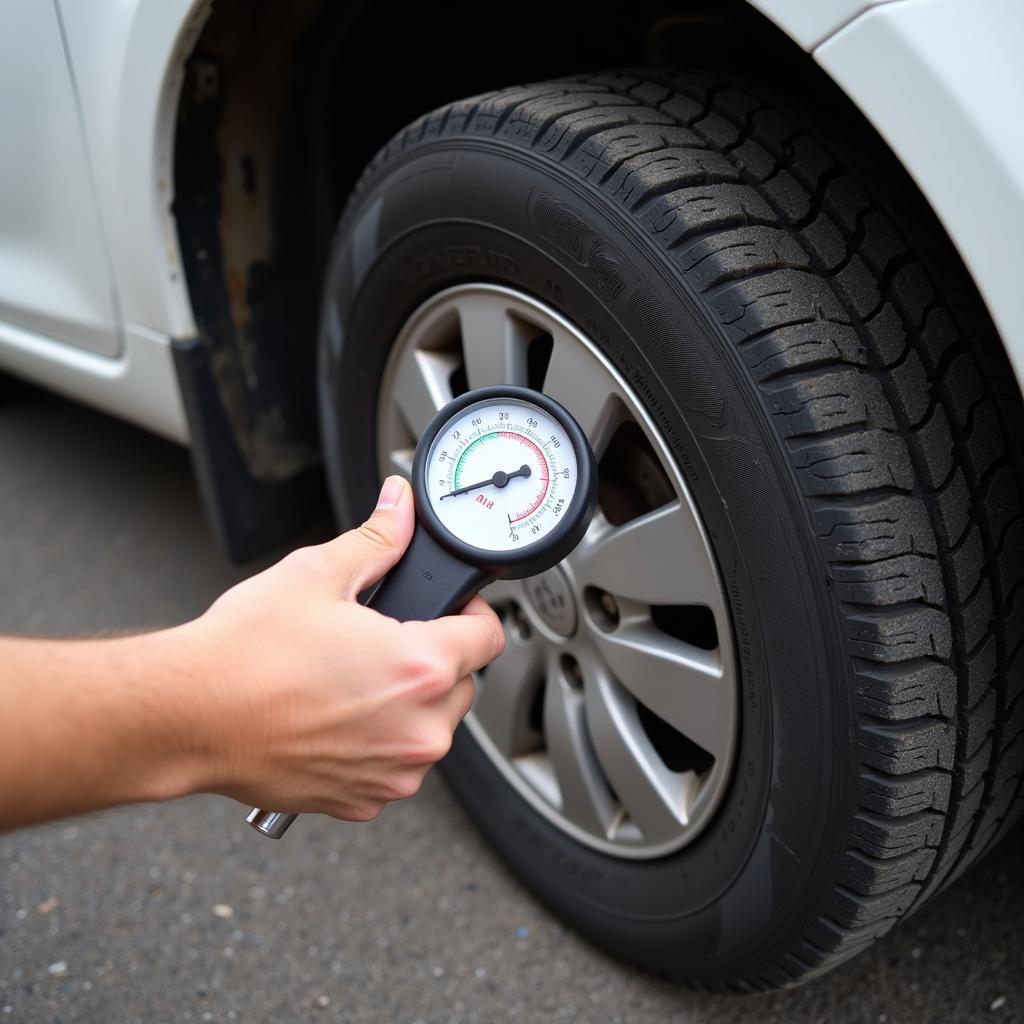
(501, 474)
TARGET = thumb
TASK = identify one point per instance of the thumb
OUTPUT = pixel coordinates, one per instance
(363, 555)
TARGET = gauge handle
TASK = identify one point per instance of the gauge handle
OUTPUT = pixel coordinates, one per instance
(427, 582)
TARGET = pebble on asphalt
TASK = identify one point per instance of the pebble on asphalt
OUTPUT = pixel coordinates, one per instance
(998, 1003)
(60, 968)
(223, 910)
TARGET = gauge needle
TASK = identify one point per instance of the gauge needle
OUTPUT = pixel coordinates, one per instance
(499, 479)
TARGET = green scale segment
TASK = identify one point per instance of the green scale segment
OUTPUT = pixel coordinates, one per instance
(491, 436)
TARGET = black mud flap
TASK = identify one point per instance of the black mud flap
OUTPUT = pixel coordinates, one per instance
(249, 516)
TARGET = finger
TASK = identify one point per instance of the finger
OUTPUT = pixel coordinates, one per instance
(361, 556)
(477, 606)
(467, 641)
(458, 703)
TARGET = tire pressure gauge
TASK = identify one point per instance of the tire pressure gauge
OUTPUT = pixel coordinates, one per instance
(505, 487)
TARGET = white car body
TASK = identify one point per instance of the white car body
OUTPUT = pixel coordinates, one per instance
(92, 290)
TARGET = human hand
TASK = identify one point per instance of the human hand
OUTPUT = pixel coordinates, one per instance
(316, 703)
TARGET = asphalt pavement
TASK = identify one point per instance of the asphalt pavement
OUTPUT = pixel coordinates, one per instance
(180, 913)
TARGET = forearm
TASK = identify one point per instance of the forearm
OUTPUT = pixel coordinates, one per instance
(285, 693)
(94, 723)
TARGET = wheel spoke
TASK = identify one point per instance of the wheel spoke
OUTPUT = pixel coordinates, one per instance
(655, 798)
(577, 380)
(585, 796)
(493, 349)
(657, 558)
(506, 692)
(422, 387)
(502, 592)
(680, 683)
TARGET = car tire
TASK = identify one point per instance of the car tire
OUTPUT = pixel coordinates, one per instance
(824, 376)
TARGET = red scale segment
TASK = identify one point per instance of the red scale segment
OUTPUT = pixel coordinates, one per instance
(546, 478)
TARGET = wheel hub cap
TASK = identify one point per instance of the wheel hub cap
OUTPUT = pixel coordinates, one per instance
(553, 601)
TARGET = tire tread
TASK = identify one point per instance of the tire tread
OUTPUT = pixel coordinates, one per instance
(898, 412)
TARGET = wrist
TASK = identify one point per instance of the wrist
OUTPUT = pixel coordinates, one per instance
(180, 751)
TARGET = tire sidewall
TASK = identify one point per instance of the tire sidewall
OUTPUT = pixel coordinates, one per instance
(469, 211)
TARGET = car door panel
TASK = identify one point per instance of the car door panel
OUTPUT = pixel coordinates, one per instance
(55, 277)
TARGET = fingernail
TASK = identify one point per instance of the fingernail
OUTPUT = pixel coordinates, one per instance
(390, 492)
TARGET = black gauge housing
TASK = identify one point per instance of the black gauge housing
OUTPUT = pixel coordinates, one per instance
(439, 572)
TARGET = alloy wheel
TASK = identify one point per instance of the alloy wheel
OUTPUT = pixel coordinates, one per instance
(613, 710)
